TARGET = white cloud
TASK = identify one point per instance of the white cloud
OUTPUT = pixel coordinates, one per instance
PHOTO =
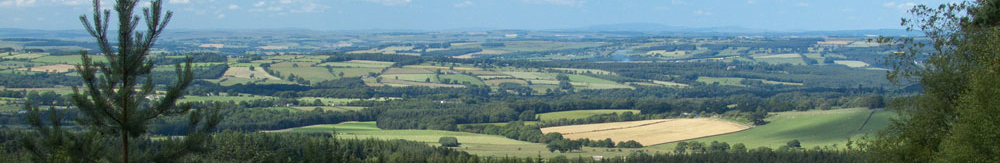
(899, 6)
(180, 1)
(751, 2)
(71, 2)
(678, 2)
(283, 7)
(464, 4)
(575, 3)
(803, 4)
(390, 2)
(702, 12)
(220, 16)
(233, 7)
(17, 3)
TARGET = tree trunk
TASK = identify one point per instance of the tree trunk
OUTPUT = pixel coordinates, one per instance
(124, 147)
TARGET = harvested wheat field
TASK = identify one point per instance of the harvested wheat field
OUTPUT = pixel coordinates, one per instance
(650, 132)
(60, 68)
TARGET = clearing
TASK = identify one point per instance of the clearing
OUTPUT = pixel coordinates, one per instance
(812, 128)
(579, 114)
(650, 132)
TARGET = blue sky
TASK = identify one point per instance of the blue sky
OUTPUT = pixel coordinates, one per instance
(499, 14)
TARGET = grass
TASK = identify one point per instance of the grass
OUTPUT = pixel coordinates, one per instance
(329, 108)
(812, 128)
(358, 64)
(669, 84)
(356, 72)
(461, 78)
(479, 144)
(68, 59)
(514, 46)
(313, 74)
(721, 80)
(531, 75)
(589, 79)
(794, 61)
(580, 114)
(582, 71)
(190, 98)
(850, 63)
(412, 77)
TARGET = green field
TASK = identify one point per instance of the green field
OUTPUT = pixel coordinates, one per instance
(68, 59)
(462, 78)
(813, 128)
(313, 74)
(721, 80)
(190, 98)
(579, 114)
(588, 79)
(794, 61)
(358, 64)
(479, 144)
(543, 45)
(411, 77)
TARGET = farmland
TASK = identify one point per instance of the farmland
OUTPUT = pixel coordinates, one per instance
(823, 128)
(650, 132)
(577, 114)
(487, 145)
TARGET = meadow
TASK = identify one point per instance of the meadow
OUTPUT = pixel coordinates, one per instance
(579, 114)
(822, 128)
(650, 132)
(480, 144)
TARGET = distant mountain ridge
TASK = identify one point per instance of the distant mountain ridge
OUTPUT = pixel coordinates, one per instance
(641, 28)
(733, 30)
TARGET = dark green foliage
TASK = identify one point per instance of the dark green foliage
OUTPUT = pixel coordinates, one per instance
(629, 144)
(36, 80)
(794, 144)
(114, 106)
(448, 142)
(955, 118)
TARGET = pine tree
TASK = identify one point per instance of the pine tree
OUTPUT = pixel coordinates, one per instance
(114, 106)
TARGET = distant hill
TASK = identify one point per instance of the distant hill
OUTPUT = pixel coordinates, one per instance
(730, 30)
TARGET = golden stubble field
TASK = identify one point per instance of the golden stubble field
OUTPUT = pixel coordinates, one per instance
(650, 132)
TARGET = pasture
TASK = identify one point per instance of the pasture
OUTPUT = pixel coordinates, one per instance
(479, 144)
(461, 78)
(190, 98)
(813, 128)
(59, 68)
(850, 63)
(579, 114)
(650, 132)
(358, 64)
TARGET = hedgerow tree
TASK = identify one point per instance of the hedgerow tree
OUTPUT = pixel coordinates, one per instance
(114, 107)
(957, 117)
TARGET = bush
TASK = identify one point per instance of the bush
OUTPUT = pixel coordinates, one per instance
(449, 141)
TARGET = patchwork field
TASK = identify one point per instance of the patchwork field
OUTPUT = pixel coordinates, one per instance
(479, 144)
(358, 64)
(812, 128)
(68, 59)
(579, 114)
(650, 132)
(245, 72)
(59, 68)
(850, 63)
(190, 98)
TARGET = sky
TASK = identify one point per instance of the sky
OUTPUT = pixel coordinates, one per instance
(488, 14)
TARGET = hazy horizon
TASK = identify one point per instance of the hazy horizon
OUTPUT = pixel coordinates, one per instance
(775, 15)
